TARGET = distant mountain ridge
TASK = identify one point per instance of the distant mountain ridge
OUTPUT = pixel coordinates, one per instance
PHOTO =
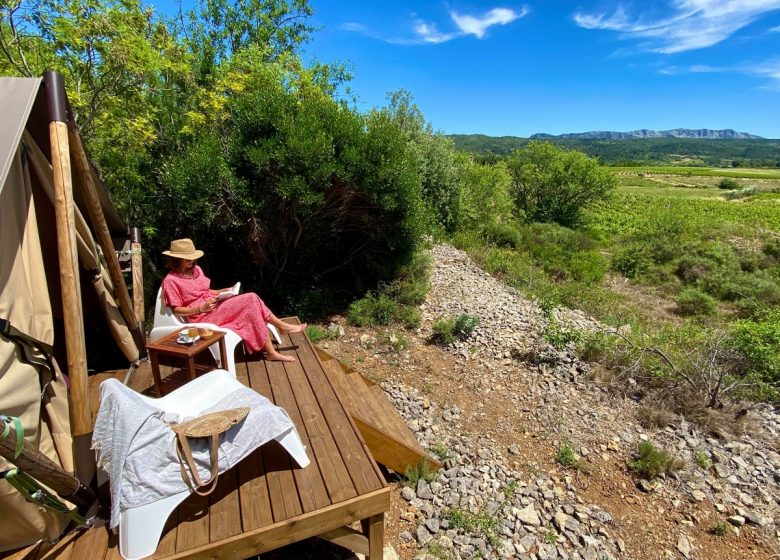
(702, 133)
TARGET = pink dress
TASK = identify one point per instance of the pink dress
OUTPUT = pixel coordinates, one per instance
(246, 314)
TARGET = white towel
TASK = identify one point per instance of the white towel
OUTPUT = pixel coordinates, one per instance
(137, 448)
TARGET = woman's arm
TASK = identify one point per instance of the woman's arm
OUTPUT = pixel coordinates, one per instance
(202, 307)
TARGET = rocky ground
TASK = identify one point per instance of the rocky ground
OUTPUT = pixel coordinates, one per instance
(503, 406)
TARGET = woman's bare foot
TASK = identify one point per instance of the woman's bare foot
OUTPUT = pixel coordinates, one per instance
(288, 328)
(277, 357)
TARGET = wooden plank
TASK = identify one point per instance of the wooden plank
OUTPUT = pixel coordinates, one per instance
(285, 500)
(322, 444)
(167, 544)
(63, 550)
(253, 492)
(392, 452)
(224, 513)
(193, 523)
(311, 487)
(338, 378)
(362, 469)
(89, 544)
(349, 538)
(307, 525)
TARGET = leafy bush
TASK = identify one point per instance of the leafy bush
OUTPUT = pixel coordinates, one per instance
(503, 235)
(692, 301)
(551, 184)
(372, 310)
(419, 471)
(631, 261)
(651, 462)
(448, 329)
(559, 337)
(566, 457)
(759, 341)
(772, 248)
(317, 334)
(728, 183)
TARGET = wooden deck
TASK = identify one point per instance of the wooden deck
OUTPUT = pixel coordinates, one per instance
(265, 502)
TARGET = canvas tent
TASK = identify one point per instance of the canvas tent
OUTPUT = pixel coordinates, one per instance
(58, 273)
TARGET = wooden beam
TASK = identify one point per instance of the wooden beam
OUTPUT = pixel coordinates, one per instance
(285, 532)
(349, 538)
(98, 220)
(80, 414)
(138, 275)
(374, 528)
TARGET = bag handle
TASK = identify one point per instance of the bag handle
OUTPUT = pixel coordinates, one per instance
(193, 480)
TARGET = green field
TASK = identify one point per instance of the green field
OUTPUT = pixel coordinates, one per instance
(737, 173)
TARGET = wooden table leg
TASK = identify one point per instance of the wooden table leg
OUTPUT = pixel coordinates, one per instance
(222, 353)
(374, 529)
(191, 367)
(155, 363)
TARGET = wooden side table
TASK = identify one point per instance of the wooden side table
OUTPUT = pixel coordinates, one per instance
(168, 346)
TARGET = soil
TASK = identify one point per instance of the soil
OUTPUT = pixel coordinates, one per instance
(647, 523)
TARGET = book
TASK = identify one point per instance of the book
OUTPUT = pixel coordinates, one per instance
(229, 293)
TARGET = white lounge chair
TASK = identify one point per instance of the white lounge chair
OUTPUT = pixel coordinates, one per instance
(140, 528)
(165, 322)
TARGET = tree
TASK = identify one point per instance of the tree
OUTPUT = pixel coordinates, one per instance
(551, 184)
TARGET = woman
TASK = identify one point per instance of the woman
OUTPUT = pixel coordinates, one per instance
(187, 291)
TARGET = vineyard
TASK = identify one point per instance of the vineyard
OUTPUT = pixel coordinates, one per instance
(632, 214)
(736, 173)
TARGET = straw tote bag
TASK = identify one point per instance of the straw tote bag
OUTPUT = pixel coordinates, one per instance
(206, 426)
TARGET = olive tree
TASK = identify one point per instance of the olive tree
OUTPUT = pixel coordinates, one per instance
(551, 184)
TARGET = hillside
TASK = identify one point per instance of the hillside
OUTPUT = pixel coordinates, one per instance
(751, 152)
(537, 448)
(703, 133)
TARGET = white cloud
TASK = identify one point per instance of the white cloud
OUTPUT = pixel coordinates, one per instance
(689, 25)
(774, 29)
(477, 26)
(768, 69)
(428, 33)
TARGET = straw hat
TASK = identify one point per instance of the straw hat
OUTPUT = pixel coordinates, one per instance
(183, 249)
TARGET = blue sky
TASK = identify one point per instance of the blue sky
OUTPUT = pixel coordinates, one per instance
(553, 66)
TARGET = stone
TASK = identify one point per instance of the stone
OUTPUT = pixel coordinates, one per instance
(424, 490)
(528, 516)
(684, 546)
(736, 520)
(423, 536)
(407, 493)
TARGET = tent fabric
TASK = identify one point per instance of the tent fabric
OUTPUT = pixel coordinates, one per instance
(17, 96)
(24, 301)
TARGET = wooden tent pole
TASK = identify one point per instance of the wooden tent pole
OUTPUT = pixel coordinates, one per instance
(138, 274)
(47, 472)
(98, 220)
(80, 413)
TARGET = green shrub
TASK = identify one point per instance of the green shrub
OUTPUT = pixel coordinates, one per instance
(741, 193)
(652, 462)
(419, 471)
(409, 316)
(692, 301)
(566, 457)
(317, 334)
(631, 261)
(465, 325)
(759, 342)
(772, 248)
(559, 337)
(701, 458)
(588, 267)
(372, 310)
(503, 235)
(728, 183)
(448, 329)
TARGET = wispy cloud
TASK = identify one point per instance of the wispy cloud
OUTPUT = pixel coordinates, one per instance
(688, 25)
(477, 26)
(424, 32)
(775, 29)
